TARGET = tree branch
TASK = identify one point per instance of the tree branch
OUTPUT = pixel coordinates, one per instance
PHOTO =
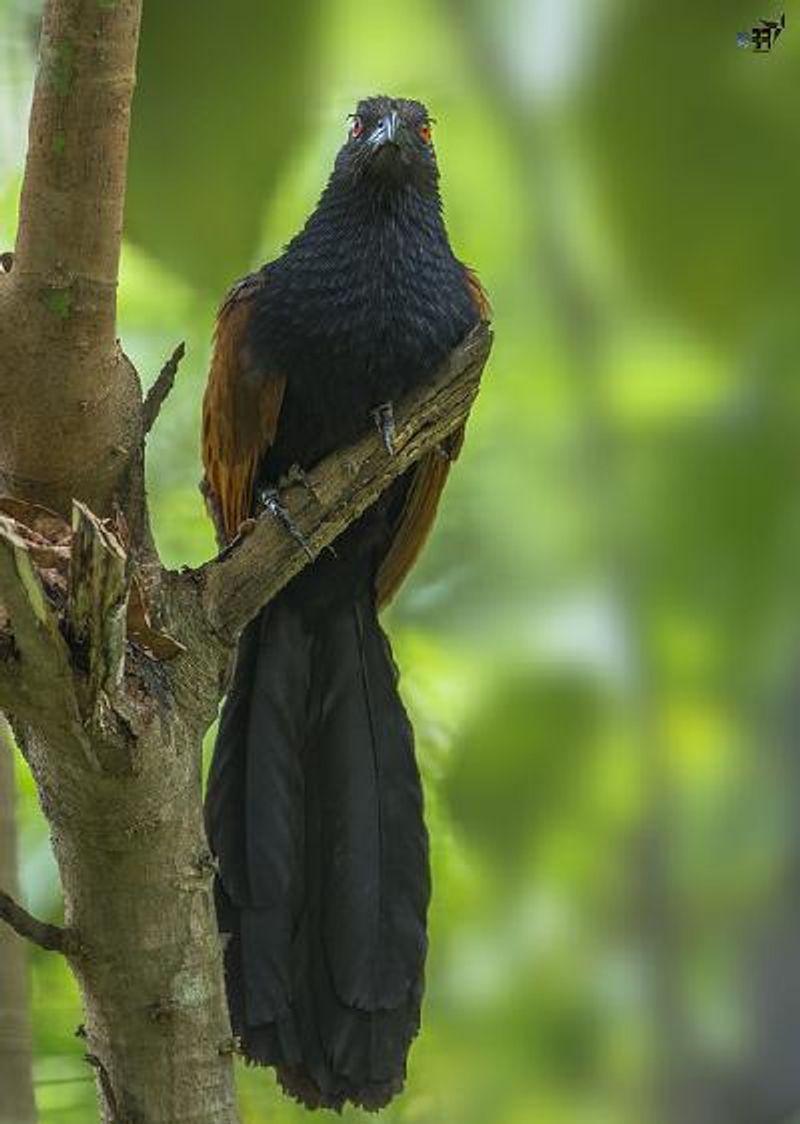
(236, 584)
(49, 937)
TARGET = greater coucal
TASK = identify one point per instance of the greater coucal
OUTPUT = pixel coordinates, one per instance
(314, 803)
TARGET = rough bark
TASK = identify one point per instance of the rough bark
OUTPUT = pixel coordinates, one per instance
(58, 305)
(16, 1077)
(111, 667)
(113, 739)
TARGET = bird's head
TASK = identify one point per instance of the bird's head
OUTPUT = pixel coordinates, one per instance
(390, 143)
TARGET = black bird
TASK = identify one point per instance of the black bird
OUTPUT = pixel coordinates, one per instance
(314, 803)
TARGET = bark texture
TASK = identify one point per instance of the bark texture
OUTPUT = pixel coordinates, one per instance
(111, 667)
(58, 305)
(16, 1075)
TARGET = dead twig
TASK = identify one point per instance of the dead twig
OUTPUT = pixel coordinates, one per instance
(52, 938)
(158, 392)
(109, 1095)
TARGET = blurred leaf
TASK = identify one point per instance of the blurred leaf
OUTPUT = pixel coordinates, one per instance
(224, 94)
(693, 143)
(520, 762)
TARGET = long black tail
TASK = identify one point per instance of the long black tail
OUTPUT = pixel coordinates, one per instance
(314, 811)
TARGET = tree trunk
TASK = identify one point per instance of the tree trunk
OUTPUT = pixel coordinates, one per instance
(113, 747)
(16, 1077)
(111, 668)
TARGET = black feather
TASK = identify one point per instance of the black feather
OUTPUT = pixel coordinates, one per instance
(315, 793)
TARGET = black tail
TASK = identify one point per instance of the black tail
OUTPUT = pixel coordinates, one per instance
(314, 810)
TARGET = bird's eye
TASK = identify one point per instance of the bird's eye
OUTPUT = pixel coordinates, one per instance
(357, 128)
(425, 132)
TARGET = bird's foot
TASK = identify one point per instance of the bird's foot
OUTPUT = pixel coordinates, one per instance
(270, 501)
(384, 419)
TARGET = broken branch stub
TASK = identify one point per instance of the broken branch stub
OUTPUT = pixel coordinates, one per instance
(51, 938)
(28, 612)
(97, 603)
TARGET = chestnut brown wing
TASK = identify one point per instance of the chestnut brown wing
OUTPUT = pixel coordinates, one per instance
(241, 408)
(422, 499)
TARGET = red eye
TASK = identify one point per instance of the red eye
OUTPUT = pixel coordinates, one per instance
(425, 133)
(357, 128)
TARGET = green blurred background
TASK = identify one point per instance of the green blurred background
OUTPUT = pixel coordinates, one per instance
(601, 645)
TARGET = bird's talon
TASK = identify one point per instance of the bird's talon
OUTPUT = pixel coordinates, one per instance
(384, 420)
(270, 501)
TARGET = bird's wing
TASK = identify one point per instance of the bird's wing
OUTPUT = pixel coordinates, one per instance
(480, 298)
(241, 407)
(422, 498)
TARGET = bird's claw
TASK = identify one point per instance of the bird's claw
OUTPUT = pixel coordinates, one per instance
(384, 420)
(270, 500)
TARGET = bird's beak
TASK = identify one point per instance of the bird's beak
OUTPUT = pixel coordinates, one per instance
(386, 130)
